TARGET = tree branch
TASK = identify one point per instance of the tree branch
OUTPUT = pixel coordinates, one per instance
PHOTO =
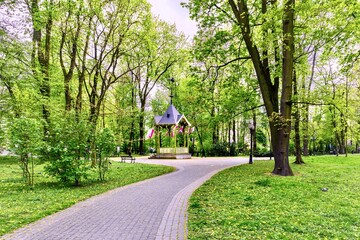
(231, 61)
(319, 104)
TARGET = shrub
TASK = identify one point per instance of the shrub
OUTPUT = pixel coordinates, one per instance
(67, 149)
(25, 141)
(222, 149)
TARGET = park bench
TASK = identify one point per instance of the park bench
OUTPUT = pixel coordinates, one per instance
(128, 157)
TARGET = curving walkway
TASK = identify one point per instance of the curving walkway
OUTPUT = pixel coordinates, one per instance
(152, 209)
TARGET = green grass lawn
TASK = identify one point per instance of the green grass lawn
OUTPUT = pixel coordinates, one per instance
(246, 202)
(20, 205)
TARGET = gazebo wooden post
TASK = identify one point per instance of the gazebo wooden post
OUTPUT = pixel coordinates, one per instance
(169, 131)
(157, 129)
(175, 142)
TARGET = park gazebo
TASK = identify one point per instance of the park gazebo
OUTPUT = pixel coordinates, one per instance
(167, 144)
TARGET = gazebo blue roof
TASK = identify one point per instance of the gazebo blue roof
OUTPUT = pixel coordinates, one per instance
(170, 117)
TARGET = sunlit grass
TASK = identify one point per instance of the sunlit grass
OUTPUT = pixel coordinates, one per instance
(322, 201)
(20, 205)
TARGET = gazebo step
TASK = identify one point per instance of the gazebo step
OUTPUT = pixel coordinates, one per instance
(170, 156)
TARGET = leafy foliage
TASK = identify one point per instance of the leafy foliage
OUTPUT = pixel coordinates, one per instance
(67, 149)
(105, 147)
(25, 141)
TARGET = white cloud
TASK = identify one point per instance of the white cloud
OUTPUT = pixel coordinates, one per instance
(172, 12)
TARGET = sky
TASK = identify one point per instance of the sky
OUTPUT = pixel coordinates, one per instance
(172, 12)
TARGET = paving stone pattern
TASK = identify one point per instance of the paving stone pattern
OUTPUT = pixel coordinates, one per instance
(154, 209)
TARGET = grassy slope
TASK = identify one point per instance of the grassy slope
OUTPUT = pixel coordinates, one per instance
(20, 205)
(247, 202)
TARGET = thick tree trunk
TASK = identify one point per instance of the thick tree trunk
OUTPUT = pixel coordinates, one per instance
(341, 142)
(280, 145)
(280, 121)
(284, 119)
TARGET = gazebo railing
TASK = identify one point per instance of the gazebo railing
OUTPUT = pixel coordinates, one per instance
(179, 150)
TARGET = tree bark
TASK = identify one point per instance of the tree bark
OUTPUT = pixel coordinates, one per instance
(299, 159)
(286, 94)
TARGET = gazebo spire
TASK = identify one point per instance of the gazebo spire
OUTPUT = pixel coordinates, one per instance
(171, 97)
(171, 90)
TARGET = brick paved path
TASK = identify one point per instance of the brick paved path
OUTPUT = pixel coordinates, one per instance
(152, 209)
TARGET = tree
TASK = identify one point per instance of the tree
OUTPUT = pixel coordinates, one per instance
(67, 149)
(71, 27)
(41, 14)
(105, 147)
(25, 141)
(279, 114)
(151, 62)
(267, 29)
(101, 34)
(266, 57)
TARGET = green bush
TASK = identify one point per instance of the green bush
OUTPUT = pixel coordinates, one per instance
(221, 149)
(67, 150)
(25, 141)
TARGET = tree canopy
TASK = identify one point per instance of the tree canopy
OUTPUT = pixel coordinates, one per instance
(289, 68)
